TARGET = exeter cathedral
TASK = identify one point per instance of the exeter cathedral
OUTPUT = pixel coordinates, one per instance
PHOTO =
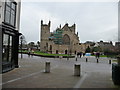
(63, 40)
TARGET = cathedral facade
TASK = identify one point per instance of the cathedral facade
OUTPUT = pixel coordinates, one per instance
(63, 40)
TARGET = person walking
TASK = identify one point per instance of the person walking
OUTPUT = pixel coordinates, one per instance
(32, 52)
(76, 57)
(29, 52)
(80, 54)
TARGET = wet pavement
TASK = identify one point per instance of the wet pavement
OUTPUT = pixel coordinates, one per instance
(31, 74)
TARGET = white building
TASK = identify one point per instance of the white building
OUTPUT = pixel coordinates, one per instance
(119, 21)
(9, 32)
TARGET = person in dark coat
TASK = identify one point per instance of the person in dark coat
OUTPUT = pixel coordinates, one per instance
(80, 54)
(83, 54)
(97, 55)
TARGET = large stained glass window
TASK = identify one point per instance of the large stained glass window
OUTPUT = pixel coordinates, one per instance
(66, 39)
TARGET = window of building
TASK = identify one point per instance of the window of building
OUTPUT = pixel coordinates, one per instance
(0, 11)
(7, 48)
(10, 13)
(56, 51)
(66, 39)
(50, 47)
(10, 48)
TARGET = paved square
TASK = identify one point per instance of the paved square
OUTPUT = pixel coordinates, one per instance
(31, 73)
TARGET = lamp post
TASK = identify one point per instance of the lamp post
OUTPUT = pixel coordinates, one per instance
(21, 39)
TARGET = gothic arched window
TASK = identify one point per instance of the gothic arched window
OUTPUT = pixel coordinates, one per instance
(66, 39)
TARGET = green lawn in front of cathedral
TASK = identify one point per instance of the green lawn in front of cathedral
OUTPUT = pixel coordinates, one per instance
(101, 55)
(45, 54)
(48, 54)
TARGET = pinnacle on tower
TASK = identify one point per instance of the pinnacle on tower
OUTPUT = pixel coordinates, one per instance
(41, 22)
(49, 23)
(74, 25)
(60, 25)
(77, 33)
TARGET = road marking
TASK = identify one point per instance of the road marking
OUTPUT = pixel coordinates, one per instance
(25, 76)
(79, 83)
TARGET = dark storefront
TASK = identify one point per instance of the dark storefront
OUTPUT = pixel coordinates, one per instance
(10, 48)
(10, 38)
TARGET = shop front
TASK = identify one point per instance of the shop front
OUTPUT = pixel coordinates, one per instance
(10, 45)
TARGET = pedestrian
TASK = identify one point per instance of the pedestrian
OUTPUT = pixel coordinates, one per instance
(76, 57)
(97, 55)
(29, 52)
(80, 54)
(32, 52)
(83, 54)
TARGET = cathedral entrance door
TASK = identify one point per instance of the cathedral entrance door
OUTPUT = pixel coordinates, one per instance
(65, 51)
(56, 51)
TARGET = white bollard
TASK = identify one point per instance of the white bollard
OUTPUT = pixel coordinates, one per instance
(77, 69)
(47, 67)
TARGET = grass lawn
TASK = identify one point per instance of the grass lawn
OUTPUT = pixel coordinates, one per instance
(100, 55)
(46, 54)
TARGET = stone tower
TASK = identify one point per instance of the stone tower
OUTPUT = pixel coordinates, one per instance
(45, 33)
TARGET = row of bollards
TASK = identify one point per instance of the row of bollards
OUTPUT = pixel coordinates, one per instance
(77, 68)
(97, 60)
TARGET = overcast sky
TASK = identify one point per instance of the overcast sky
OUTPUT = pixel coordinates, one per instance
(94, 21)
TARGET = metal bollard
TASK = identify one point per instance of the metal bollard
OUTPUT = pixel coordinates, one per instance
(86, 59)
(77, 69)
(47, 67)
(97, 61)
(109, 61)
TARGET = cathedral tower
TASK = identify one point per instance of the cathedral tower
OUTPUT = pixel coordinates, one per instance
(45, 33)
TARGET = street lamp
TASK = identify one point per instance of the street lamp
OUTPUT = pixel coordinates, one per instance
(21, 39)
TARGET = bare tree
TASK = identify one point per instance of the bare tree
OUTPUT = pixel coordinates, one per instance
(38, 45)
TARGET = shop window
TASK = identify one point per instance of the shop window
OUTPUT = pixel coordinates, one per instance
(7, 48)
(10, 48)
